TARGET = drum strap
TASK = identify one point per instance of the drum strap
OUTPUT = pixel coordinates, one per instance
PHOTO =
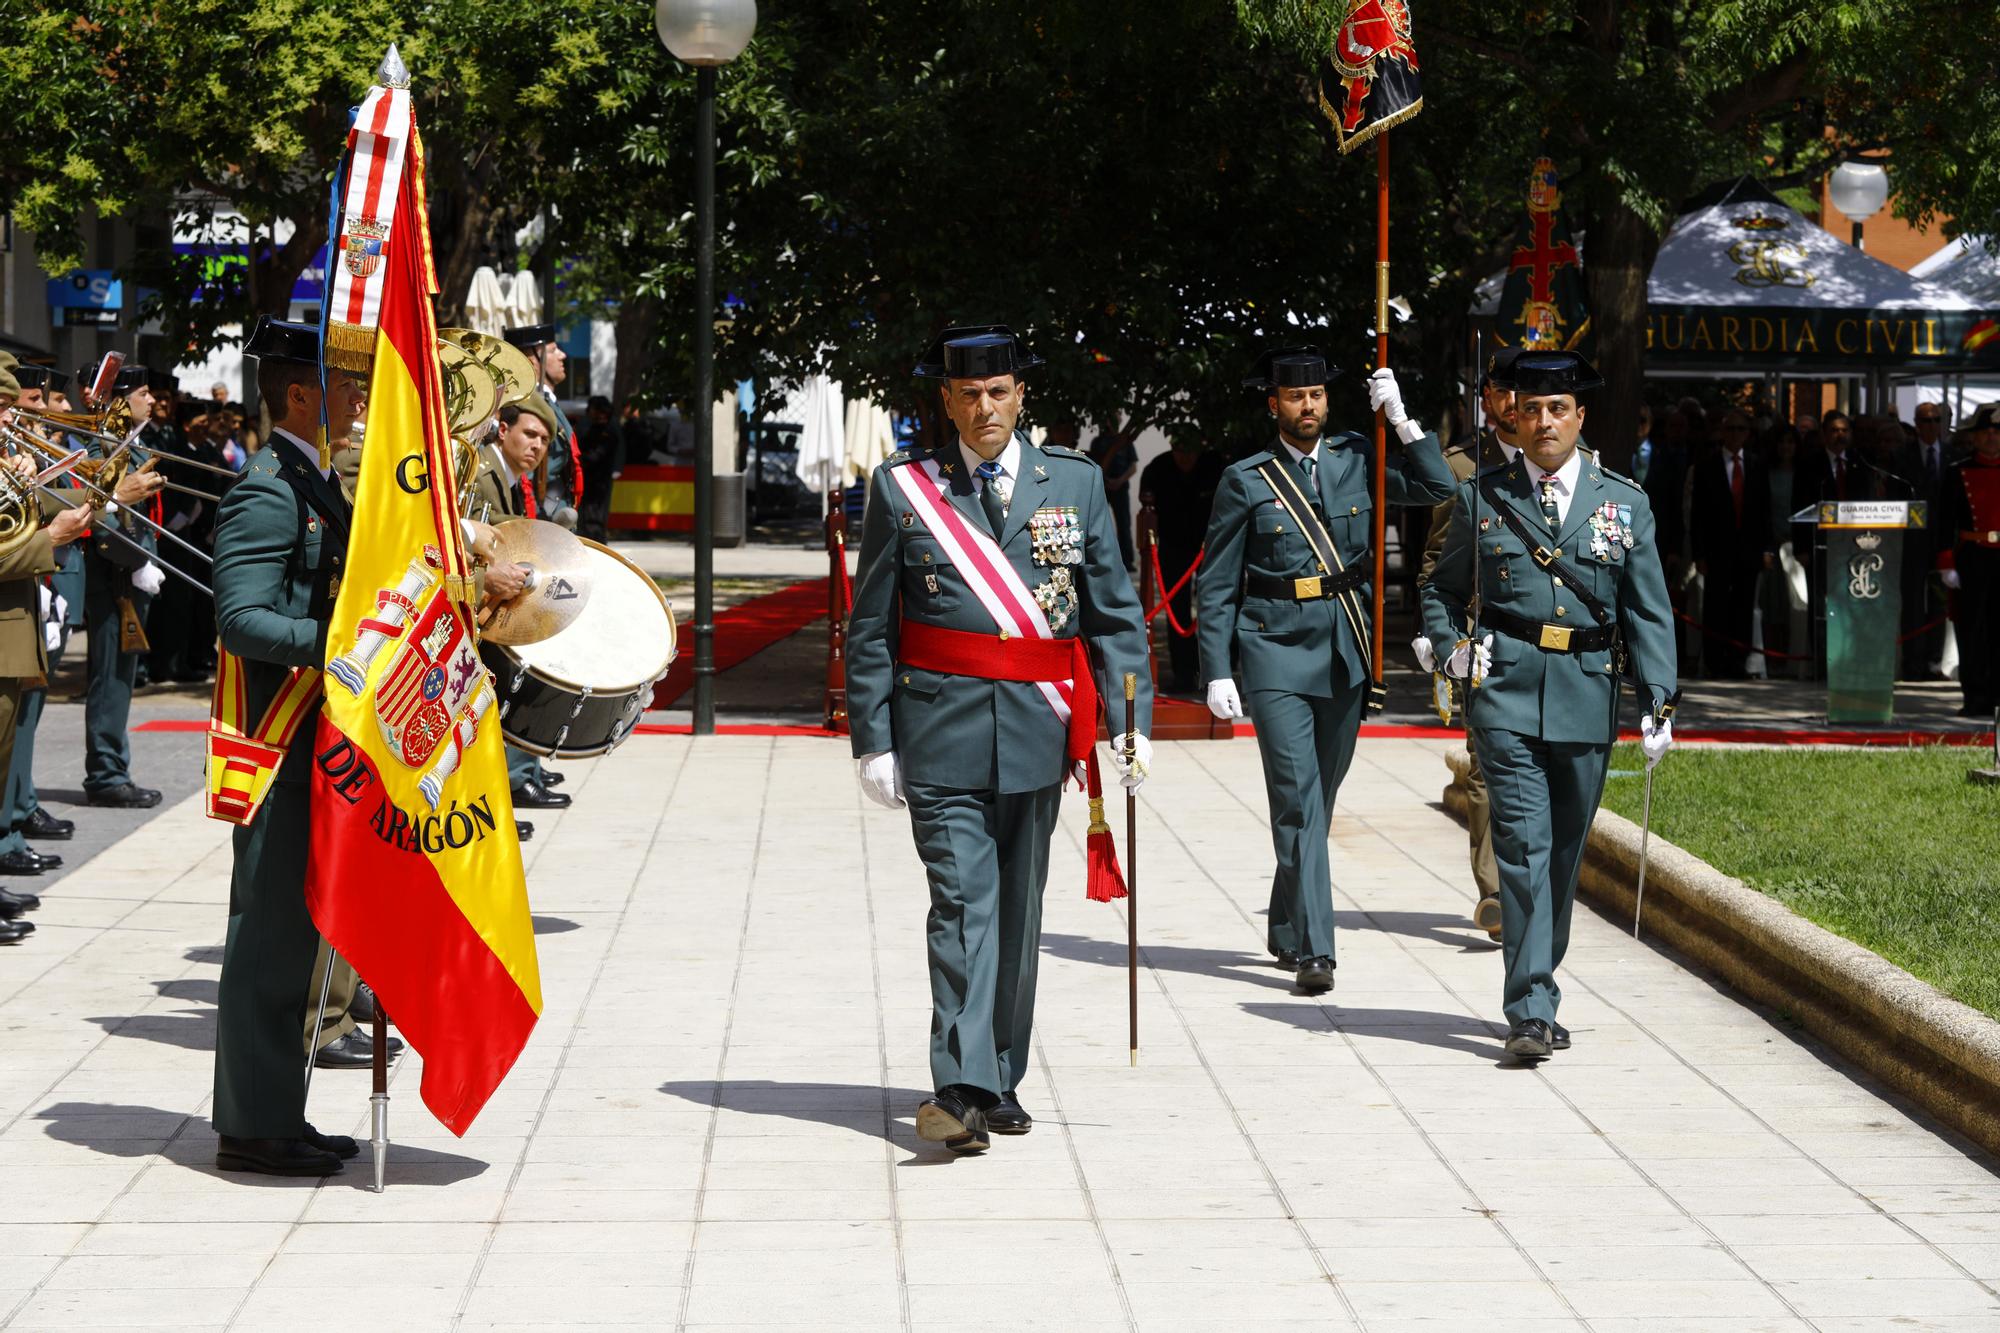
(242, 765)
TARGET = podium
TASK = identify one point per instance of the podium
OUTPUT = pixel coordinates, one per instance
(1860, 548)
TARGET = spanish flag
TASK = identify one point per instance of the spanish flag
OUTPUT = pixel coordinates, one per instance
(415, 874)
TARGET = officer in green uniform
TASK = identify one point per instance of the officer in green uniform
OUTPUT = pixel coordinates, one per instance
(119, 579)
(23, 812)
(280, 541)
(1571, 589)
(499, 492)
(558, 491)
(951, 718)
(1493, 445)
(1285, 601)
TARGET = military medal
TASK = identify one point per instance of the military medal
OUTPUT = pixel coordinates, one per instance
(1055, 534)
(1057, 598)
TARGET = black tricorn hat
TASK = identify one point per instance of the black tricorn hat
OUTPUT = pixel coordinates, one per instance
(975, 352)
(528, 337)
(1537, 373)
(163, 381)
(284, 340)
(1290, 368)
(1500, 368)
(1985, 418)
(130, 377)
(40, 377)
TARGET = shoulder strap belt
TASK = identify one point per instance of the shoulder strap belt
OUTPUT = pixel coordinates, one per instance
(1546, 558)
(1286, 487)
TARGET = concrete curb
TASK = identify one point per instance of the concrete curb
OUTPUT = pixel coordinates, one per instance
(1942, 1054)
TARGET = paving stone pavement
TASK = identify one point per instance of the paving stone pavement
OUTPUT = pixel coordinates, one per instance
(712, 1124)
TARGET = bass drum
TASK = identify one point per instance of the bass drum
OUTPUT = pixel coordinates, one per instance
(580, 691)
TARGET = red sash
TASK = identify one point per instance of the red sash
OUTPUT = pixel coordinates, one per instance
(958, 652)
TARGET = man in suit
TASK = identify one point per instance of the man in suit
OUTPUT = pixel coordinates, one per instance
(1732, 542)
(503, 488)
(1285, 601)
(1835, 471)
(992, 606)
(119, 582)
(1180, 485)
(1570, 583)
(1922, 463)
(1968, 530)
(280, 543)
(1495, 444)
(23, 656)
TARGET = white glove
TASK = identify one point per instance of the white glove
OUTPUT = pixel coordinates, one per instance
(1386, 396)
(1950, 577)
(148, 579)
(1223, 700)
(881, 778)
(1470, 659)
(1132, 758)
(1426, 655)
(1655, 738)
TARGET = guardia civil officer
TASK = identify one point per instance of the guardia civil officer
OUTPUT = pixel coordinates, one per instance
(280, 541)
(1571, 588)
(988, 566)
(1285, 603)
(1494, 444)
(561, 487)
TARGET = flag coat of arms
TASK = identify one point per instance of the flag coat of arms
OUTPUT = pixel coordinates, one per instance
(415, 873)
(1371, 82)
(1542, 305)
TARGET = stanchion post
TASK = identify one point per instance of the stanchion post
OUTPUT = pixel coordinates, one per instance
(836, 613)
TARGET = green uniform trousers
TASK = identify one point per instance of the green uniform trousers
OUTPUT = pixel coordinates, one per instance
(987, 856)
(267, 968)
(521, 767)
(21, 799)
(1306, 742)
(1479, 825)
(341, 989)
(1544, 796)
(107, 700)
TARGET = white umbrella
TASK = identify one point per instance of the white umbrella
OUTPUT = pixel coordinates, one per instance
(822, 441)
(485, 303)
(526, 298)
(871, 436)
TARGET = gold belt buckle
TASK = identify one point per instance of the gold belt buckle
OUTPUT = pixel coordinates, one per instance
(1555, 638)
(1305, 589)
(1993, 539)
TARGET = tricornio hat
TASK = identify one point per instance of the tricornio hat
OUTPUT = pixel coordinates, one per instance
(1290, 368)
(1499, 368)
(284, 340)
(1536, 373)
(975, 352)
(130, 377)
(528, 337)
(40, 377)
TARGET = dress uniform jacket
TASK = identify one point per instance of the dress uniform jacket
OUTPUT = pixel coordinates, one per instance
(1543, 720)
(280, 542)
(1302, 665)
(983, 760)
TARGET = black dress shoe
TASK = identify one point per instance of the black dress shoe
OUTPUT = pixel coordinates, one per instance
(13, 932)
(1287, 959)
(362, 1006)
(338, 1144)
(127, 796)
(27, 861)
(27, 902)
(950, 1118)
(274, 1157)
(11, 907)
(45, 827)
(532, 795)
(356, 1050)
(1315, 975)
(1529, 1039)
(523, 830)
(552, 779)
(1558, 1037)
(1007, 1117)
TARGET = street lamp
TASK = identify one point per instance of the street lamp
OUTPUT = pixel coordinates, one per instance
(1859, 189)
(706, 34)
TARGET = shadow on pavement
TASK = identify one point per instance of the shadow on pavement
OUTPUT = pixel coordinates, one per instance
(204, 953)
(195, 990)
(191, 1031)
(1441, 928)
(1450, 1032)
(554, 925)
(855, 1106)
(1257, 967)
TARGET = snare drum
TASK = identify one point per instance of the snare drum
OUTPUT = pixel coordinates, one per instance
(580, 692)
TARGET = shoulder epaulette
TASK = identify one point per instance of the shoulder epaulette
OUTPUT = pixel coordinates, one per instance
(899, 457)
(1064, 451)
(1609, 475)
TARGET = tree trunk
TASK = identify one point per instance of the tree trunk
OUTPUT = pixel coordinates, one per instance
(1622, 247)
(636, 330)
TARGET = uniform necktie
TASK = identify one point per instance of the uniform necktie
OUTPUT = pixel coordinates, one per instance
(1736, 485)
(1309, 467)
(1550, 510)
(990, 497)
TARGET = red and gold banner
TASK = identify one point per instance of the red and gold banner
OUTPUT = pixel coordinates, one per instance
(416, 875)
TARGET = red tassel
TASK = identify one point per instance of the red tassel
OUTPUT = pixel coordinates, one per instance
(1107, 881)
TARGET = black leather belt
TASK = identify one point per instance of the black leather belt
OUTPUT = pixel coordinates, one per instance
(1548, 637)
(1318, 588)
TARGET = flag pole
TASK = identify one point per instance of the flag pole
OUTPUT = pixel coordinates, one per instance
(378, 1102)
(1381, 416)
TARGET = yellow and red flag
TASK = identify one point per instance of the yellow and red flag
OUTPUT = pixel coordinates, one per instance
(415, 874)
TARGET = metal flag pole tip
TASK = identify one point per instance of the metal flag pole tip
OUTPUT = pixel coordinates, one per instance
(378, 1102)
(392, 72)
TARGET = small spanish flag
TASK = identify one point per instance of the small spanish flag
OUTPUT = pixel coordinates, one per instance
(1979, 335)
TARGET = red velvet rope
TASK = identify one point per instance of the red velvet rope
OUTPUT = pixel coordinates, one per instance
(1773, 653)
(1167, 602)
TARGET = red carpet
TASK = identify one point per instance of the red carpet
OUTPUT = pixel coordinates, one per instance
(743, 631)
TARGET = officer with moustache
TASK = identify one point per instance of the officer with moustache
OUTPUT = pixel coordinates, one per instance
(1571, 590)
(1285, 603)
(988, 566)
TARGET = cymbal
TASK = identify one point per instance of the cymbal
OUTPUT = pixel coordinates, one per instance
(562, 581)
(470, 393)
(509, 365)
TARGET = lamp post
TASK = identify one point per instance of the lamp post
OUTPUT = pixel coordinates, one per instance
(1858, 189)
(706, 34)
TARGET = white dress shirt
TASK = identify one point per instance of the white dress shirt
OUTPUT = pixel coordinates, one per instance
(310, 451)
(1010, 467)
(1565, 476)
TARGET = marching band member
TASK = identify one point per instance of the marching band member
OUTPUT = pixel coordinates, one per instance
(990, 588)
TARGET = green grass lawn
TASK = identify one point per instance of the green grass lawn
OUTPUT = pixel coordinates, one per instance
(1892, 849)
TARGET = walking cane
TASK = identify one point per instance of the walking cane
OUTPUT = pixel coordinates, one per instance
(378, 1102)
(1132, 863)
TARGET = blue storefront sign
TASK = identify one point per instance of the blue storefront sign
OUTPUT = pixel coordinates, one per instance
(86, 296)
